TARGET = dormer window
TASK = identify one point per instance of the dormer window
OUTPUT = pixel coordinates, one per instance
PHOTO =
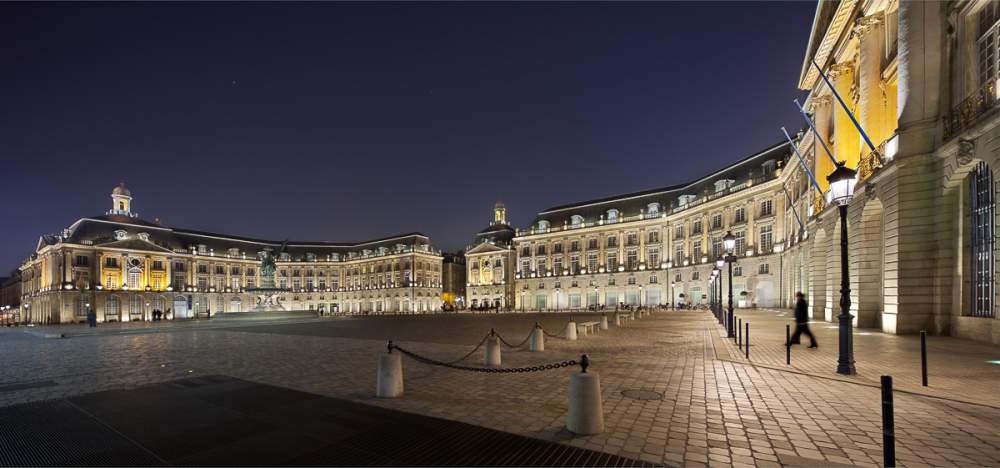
(310, 257)
(653, 209)
(685, 200)
(543, 225)
(576, 221)
(121, 234)
(612, 215)
(768, 167)
(723, 184)
(285, 257)
(202, 248)
(143, 236)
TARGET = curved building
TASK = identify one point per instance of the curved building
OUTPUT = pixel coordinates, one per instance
(124, 268)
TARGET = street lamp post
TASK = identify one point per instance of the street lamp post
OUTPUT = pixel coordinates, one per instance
(640, 297)
(729, 241)
(842, 181)
(671, 295)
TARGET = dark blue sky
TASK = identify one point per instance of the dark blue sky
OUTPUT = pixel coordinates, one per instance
(353, 121)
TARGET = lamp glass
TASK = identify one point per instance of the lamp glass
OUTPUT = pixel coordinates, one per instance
(729, 241)
(842, 181)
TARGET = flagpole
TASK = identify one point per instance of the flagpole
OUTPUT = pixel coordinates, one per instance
(844, 105)
(815, 132)
(794, 212)
(802, 162)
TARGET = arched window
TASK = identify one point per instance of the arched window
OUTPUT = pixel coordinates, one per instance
(982, 203)
(576, 220)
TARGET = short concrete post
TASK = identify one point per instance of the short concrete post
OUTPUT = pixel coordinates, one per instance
(571, 330)
(586, 413)
(604, 322)
(389, 377)
(491, 357)
(618, 320)
(537, 339)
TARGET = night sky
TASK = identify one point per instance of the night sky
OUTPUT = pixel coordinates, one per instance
(346, 122)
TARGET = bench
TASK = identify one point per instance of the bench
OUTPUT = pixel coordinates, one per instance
(587, 328)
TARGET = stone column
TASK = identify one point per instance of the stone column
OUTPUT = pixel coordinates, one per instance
(870, 31)
(822, 166)
(846, 137)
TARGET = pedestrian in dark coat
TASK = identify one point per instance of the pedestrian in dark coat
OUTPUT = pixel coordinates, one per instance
(802, 321)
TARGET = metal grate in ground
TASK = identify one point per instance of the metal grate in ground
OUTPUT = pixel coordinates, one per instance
(222, 421)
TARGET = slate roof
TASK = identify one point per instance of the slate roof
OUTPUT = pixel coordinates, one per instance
(100, 230)
(629, 204)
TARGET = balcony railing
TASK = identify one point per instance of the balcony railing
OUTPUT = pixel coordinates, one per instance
(970, 111)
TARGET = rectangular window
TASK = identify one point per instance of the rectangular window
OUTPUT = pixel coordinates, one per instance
(632, 260)
(632, 239)
(557, 248)
(574, 246)
(557, 265)
(716, 248)
(696, 227)
(158, 265)
(652, 279)
(592, 244)
(202, 269)
(741, 242)
(540, 250)
(202, 284)
(740, 215)
(653, 257)
(678, 253)
(525, 267)
(766, 239)
(679, 232)
(988, 42)
(526, 251)
(696, 251)
(766, 208)
(540, 265)
(716, 221)
(654, 237)
(82, 260)
(612, 261)
(764, 268)
(737, 270)
(612, 241)
(694, 276)
(111, 262)
(592, 262)
(574, 264)
(220, 270)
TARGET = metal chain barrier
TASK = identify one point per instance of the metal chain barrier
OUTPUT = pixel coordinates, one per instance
(520, 344)
(489, 370)
(480, 345)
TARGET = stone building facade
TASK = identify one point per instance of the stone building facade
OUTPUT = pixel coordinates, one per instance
(124, 267)
(921, 80)
(490, 264)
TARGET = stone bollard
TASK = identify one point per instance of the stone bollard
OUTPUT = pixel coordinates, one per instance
(491, 357)
(389, 377)
(618, 319)
(571, 330)
(537, 340)
(604, 322)
(586, 413)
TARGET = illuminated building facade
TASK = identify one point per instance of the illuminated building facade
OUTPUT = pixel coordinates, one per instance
(124, 268)
(490, 264)
(921, 79)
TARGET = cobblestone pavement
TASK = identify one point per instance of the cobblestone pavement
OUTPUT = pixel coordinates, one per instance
(709, 407)
(957, 369)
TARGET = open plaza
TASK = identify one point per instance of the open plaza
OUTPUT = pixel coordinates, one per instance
(675, 390)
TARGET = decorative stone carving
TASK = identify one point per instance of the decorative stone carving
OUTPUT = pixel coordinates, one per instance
(866, 24)
(966, 151)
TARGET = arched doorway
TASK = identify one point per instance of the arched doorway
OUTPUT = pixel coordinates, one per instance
(180, 308)
(867, 293)
(817, 275)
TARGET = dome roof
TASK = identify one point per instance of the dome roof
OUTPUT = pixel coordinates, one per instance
(121, 190)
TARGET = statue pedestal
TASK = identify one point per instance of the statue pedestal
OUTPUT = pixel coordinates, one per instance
(268, 299)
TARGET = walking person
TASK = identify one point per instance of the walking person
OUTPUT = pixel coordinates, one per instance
(802, 321)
